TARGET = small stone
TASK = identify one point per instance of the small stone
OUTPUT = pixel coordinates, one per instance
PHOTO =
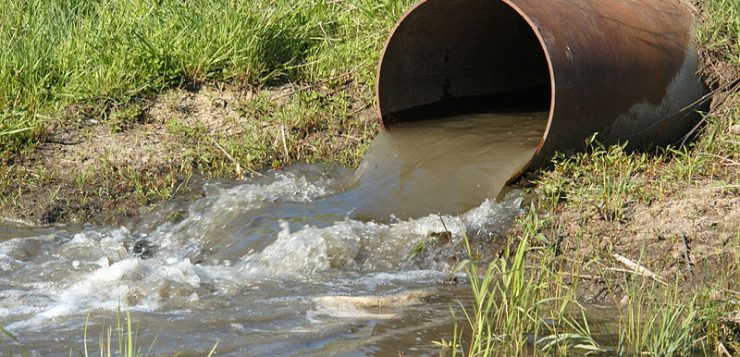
(625, 301)
(143, 249)
(735, 129)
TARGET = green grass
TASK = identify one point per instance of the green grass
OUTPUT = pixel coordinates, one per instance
(522, 305)
(720, 28)
(68, 63)
(515, 303)
(107, 52)
(285, 133)
(656, 322)
(603, 179)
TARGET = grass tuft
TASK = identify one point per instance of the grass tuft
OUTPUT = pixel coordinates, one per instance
(515, 305)
(603, 179)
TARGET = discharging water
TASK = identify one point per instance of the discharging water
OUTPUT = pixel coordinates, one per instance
(444, 166)
(289, 263)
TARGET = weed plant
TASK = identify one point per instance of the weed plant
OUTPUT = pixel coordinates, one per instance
(656, 322)
(126, 343)
(515, 305)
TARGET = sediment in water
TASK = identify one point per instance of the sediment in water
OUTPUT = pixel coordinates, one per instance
(292, 251)
(444, 166)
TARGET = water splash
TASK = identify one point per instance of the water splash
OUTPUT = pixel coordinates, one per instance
(291, 250)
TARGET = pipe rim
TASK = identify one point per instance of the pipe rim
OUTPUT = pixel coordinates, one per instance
(553, 94)
(545, 51)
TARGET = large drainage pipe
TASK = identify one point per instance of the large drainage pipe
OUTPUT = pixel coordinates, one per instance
(623, 68)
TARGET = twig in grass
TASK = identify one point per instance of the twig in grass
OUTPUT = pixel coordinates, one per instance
(637, 268)
(361, 108)
(732, 187)
(687, 252)
(710, 95)
(350, 137)
(593, 278)
(239, 171)
(297, 89)
(285, 144)
(62, 142)
(722, 351)
(730, 162)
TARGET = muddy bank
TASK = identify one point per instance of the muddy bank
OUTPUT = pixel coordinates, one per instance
(103, 163)
(672, 216)
(692, 238)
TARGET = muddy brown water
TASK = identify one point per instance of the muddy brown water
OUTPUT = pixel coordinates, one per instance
(310, 260)
(444, 166)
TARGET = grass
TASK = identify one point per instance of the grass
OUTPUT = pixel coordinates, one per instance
(656, 322)
(718, 32)
(608, 180)
(126, 343)
(598, 191)
(108, 53)
(583, 211)
(516, 303)
(602, 179)
(120, 340)
(76, 66)
(523, 304)
(506, 310)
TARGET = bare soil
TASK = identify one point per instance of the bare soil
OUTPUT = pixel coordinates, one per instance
(109, 164)
(692, 237)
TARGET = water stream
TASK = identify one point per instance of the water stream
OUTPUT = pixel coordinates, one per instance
(309, 260)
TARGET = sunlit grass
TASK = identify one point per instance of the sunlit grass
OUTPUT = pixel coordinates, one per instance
(517, 309)
(720, 28)
(657, 322)
(521, 305)
(602, 179)
(109, 52)
(126, 342)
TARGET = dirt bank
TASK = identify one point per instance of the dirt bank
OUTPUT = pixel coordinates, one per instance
(103, 165)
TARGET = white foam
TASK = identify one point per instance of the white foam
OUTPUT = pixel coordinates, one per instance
(367, 246)
(94, 268)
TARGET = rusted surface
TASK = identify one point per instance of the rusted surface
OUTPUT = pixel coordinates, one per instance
(623, 68)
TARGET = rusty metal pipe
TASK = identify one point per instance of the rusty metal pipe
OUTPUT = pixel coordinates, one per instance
(623, 68)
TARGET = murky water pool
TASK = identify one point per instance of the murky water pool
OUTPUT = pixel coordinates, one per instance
(306, 261)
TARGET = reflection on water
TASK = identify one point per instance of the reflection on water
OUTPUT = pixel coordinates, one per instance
(283, 264)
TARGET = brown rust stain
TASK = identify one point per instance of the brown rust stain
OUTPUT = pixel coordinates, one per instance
(605, 57)
(640, 45)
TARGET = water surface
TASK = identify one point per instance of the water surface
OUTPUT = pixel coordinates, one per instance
(444, 166)
(287, 263)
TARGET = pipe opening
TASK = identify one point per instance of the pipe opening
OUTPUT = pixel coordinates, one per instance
(453, 57)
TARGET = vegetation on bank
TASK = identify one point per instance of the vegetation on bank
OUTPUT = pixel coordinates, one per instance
(81, 82)
(525, 304)
(104, 54)
(650, 239)
(72, 61)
